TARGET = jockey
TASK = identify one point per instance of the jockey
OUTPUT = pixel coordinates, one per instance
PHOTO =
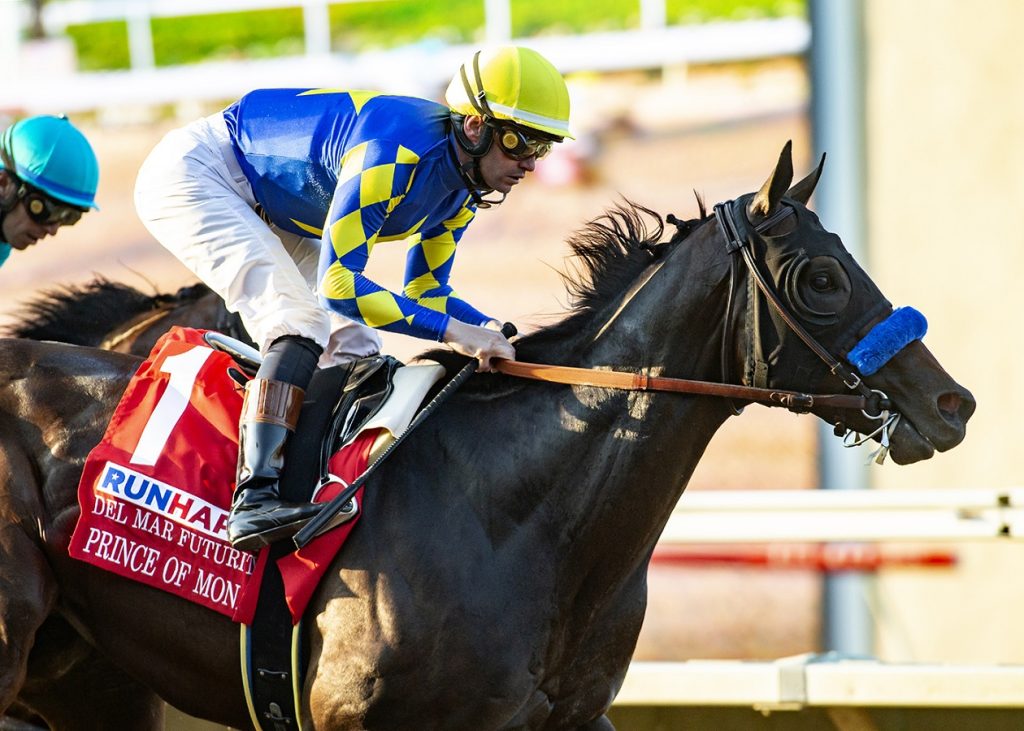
(48, 179)
(277, 203)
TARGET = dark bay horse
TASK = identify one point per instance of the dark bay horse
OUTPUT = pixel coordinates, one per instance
(498, 579)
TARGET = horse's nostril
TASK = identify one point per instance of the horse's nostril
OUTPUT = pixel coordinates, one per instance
(949, 403)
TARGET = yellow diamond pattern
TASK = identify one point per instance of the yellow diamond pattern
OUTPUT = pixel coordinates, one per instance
(439, 250)
(352, 163)
(413, 234)
(318, 232)
(347, 233)
(379, 309)
(434, 303)
(421, 284)
(406, 156)
(338, 282)
(462, 218)
(375, 185)
(359, 98)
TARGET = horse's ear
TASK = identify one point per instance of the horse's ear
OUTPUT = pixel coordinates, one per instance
(765, 200)
(802, 191)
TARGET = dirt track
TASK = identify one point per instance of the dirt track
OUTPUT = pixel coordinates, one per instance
(507, 266)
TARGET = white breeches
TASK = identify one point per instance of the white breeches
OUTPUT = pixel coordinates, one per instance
(194, 199)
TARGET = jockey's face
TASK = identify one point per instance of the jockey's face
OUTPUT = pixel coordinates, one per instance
(500, 172)
(20, 230)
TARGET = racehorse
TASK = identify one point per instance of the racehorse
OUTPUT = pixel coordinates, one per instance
(498, 578)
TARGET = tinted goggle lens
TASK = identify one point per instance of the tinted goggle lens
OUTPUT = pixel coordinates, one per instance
(520, 146)
(44, 210)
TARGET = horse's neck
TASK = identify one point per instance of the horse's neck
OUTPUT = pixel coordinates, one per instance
(652, 442)
(602, 469)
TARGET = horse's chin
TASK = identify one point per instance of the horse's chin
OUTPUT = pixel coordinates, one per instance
(908, 445)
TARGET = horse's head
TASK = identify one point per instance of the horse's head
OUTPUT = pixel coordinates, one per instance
(813, 305)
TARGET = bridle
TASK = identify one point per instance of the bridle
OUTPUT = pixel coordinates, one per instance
(740, 245)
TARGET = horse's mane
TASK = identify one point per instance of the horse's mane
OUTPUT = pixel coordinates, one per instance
(608, 254)
(83, 314)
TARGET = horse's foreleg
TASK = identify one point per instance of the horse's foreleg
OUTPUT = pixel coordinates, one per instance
(27, 593)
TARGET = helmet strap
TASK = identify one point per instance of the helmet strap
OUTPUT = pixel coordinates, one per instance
(470, 171)
(479, 99)
(473, 149)
(7, 202)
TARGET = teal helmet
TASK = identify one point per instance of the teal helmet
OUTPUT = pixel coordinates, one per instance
(50, 154)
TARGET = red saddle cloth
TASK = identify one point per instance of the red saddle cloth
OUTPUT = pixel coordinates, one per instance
(155, 492)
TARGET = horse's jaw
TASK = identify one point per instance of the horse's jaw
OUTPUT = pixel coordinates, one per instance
(909, 445)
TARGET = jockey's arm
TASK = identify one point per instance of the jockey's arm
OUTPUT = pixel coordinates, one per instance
(428, 268)
(360, 207)
(362, 202)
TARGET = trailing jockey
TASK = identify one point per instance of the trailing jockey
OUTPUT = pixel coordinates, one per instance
(48, 179)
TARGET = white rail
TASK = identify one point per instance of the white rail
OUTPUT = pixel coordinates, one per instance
(57, 16)
(821, 681)
(421, 69)
(765, 516)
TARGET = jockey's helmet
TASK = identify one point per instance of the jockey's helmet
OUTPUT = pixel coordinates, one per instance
(512, 84)
(51, 155)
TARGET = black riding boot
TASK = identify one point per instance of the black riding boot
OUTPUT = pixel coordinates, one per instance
(270, 412)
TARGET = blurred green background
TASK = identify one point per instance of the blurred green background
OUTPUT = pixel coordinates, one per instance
(364, 26)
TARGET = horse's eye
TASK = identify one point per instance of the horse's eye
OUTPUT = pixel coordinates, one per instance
(818, 287)
(822, 282)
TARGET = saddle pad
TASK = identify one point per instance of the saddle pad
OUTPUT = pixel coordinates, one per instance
(155, 492)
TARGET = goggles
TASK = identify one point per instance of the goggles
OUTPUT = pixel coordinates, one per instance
(45, 210)
(516, 144)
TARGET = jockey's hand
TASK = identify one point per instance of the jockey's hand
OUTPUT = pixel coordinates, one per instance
(482, 343)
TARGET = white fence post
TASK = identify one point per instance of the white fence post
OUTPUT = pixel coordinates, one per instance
(652, 14)
(10, 38)
(140, 35)
(497, 21)
(316, 22)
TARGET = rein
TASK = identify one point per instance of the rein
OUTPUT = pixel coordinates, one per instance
(793, 400)
(873, 403)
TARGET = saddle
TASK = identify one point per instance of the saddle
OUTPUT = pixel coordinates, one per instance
(339, 402)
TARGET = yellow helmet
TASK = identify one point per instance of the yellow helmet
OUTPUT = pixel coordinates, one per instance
(515, 84)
